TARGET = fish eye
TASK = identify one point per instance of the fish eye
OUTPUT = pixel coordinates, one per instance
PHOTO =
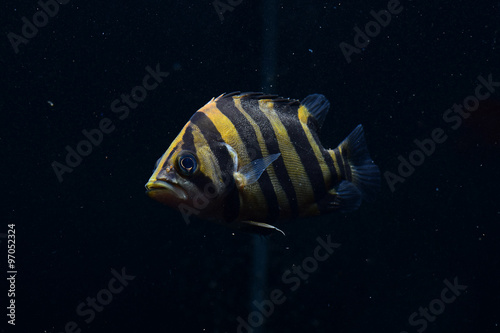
(187, 164)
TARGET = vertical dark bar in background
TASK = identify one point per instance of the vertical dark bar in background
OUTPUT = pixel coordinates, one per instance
(269, 9)
(269, 44)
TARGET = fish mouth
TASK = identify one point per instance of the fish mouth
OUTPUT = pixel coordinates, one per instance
(160, 186)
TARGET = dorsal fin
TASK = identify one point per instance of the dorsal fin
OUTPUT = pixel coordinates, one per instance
(276, 99)
(318, 106)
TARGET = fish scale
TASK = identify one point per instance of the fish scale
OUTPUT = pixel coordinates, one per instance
(262, 156)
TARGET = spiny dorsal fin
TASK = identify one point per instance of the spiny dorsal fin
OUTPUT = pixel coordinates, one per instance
(276, 99)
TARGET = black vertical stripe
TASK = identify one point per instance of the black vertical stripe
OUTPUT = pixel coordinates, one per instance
(340, 162)
(347, 166)
(331, 166)
(326, 155)
(214, 139)
(344, 165)
(243, 127)
(187, 140)
(247, 134)
(251, 106)
(290, 119)
(225, 161)
(199, 179)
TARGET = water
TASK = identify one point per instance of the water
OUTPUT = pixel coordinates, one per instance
(92, 233)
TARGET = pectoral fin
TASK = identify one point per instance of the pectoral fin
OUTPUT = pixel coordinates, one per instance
(251, 172)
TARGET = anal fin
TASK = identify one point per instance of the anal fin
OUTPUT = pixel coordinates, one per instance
(346, 197)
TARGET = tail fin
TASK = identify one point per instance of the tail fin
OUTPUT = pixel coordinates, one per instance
(365, 174)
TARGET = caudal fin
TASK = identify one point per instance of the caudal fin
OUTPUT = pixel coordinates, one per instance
(365, 175)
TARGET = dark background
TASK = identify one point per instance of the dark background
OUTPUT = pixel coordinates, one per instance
(441, 223)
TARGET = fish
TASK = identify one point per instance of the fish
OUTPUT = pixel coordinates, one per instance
(252, 161)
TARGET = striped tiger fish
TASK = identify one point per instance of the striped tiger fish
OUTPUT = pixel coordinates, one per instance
(250, 161)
